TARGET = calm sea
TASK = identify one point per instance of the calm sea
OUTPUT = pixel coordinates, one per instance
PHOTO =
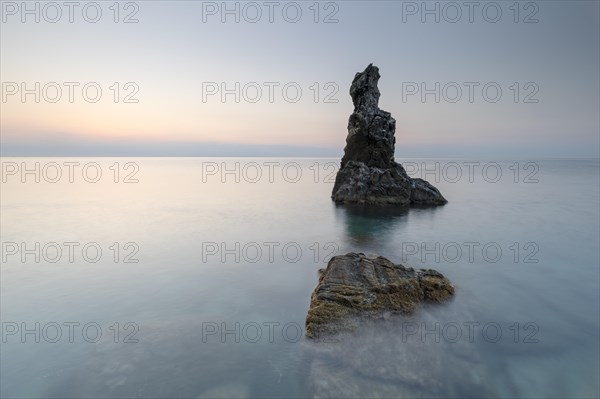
(191, 277)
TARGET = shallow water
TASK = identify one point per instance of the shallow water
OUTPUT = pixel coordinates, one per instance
(225, 269)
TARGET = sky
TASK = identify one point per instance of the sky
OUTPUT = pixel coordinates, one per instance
(195, 78)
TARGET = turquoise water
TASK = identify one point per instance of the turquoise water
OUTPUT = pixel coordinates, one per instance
(217, 298)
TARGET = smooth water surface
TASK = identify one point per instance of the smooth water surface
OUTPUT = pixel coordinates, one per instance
(217, 298)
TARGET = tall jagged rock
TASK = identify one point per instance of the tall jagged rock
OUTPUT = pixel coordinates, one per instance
(368, 173)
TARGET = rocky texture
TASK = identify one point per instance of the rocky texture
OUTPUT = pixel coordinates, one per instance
(355, 285)
(368, 173)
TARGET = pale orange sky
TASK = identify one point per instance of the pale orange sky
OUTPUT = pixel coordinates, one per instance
(170, 55)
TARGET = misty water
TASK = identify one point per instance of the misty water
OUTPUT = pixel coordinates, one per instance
(207, 267)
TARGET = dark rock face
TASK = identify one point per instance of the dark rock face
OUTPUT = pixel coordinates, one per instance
(355, 285)
(368, 172)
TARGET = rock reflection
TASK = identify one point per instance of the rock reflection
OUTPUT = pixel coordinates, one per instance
(366, 224)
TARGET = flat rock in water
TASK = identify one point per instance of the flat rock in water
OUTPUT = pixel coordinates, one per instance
(354, 285)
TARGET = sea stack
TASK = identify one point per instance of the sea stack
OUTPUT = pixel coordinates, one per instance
(368, 173)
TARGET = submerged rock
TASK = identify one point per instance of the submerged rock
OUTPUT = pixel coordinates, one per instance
(368, 173)
(384, 359)
(354, 285)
